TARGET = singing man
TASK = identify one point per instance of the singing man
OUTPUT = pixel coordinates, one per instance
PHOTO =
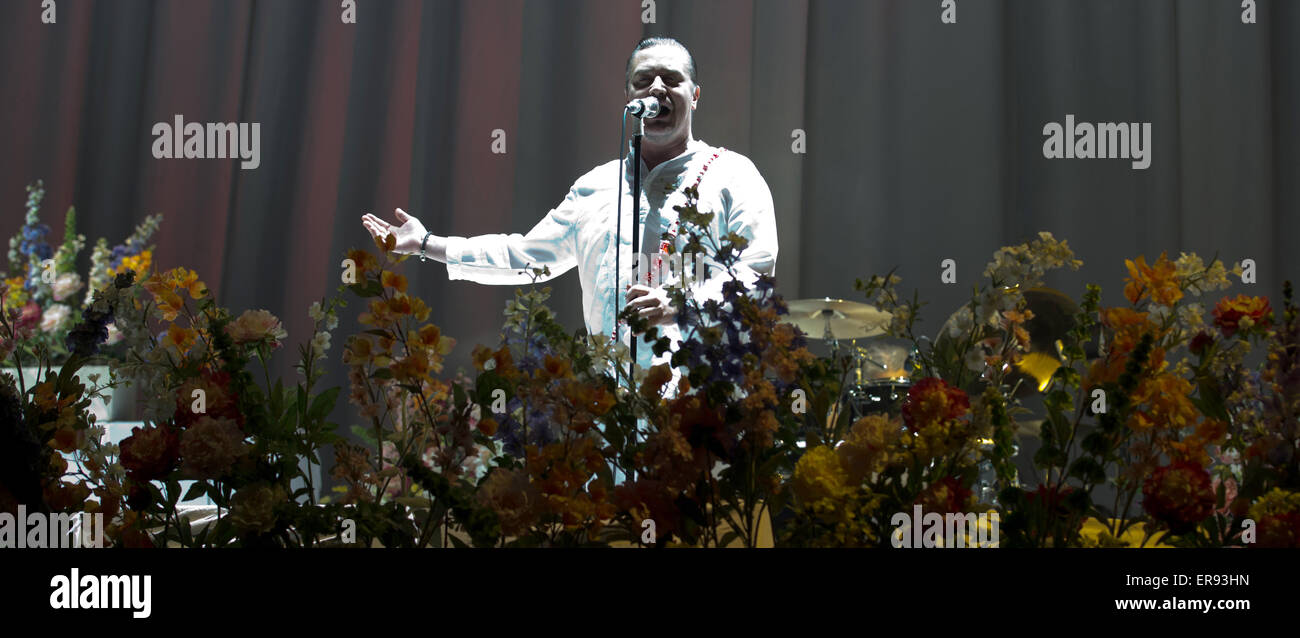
(580, 232)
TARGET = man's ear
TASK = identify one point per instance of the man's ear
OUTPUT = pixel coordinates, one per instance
(697, 96)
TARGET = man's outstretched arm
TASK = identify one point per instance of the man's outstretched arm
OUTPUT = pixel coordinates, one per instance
(491, 258)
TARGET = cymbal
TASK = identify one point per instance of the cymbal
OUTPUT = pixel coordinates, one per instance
(847, 319)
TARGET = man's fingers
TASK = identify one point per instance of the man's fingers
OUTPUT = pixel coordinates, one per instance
(402, 216)
(375, 221)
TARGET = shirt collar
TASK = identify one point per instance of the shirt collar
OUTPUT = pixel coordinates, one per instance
(675, 164)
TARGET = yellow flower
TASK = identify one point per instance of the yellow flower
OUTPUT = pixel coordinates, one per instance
(819, 477)
(1159, 280)
(140, 264)
(14, 294)
(872, 445)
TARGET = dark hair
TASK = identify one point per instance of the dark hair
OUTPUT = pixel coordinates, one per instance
(656, 41)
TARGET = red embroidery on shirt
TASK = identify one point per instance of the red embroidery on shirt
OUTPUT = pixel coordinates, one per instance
(666, 243)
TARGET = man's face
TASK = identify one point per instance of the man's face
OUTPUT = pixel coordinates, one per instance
(662, 72)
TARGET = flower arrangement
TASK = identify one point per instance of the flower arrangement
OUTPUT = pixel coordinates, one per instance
(42, 281)
(552, 441)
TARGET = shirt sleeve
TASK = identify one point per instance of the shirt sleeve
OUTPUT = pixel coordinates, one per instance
(749, 213)
(508, 259)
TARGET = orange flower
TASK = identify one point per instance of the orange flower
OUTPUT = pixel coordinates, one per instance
(481, 355)
(1242, 313)
(1158, 280)
(357, 351)
(379, 314)
(554, 367)
(178, 338)
(655, 379)
(188, 280)
(1165, 398)
(400, 306)
(364, 262)
(393, 280)
(410, 368)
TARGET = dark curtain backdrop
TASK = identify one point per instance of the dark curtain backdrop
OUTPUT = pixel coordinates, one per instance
(923, 139)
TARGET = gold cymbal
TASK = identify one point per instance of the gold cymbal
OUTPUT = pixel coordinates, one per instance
(844, 319)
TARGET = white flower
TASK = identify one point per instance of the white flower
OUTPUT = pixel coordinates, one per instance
(962, 321)
(319, 344)
(1158, 312)
(66, 285)
(327, 320)
(54, 317)
(114, 335)
(256, 325)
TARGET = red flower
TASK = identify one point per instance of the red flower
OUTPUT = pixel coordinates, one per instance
(149, 453)
(932, 401)
(1199, 343)
(1180, 495)
(219, 400)
(1230, 313)
(701, 425)
(945, 496)
(652, 499)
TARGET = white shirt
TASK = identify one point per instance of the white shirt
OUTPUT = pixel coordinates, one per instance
(580, 233)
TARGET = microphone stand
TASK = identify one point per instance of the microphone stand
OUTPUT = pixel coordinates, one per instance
(637, 132)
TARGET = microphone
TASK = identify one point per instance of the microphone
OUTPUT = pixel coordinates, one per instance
(646, 107)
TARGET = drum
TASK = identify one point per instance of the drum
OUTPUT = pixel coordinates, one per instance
(878, 397)
(883, 377)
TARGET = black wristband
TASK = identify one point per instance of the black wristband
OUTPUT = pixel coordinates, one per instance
(422, 244)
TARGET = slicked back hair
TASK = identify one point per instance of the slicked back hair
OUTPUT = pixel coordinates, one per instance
(657, 41)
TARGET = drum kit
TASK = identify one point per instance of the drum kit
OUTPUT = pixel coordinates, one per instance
(882, 365)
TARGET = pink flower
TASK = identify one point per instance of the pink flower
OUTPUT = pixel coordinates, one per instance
(28, 320)
(1229, 493)
(256, 325)
(210, 447)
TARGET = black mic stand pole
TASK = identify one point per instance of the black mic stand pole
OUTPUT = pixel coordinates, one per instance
(637, 133)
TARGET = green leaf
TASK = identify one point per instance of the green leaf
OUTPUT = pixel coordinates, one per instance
(323, 404)
(199, 488)
(371, 288)
(365, 435)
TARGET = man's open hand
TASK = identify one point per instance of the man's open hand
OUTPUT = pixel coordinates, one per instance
(409, 234)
